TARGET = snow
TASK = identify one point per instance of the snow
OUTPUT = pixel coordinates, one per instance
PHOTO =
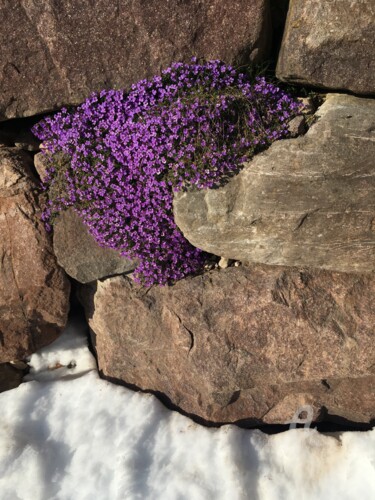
(68, 435)
(66, 358)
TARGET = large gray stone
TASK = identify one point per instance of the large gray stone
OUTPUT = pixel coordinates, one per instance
(54, 53)
(80, 255)
(330, 44)
(34, 290)
(250, 343)
(308, 201)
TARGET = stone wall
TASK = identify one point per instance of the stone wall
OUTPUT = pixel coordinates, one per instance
(57, 53)
(292, 322)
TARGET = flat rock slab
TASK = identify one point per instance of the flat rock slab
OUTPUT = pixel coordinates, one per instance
(330, 44)
(34, 290)
(249, 343)
(57, 53)
(308, 201)
(80, 255)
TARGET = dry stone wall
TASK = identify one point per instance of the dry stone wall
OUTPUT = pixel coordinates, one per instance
(251, 343)
(242, 343)
(57, 53)
(34, 290)
(330, 44)
(307, 201)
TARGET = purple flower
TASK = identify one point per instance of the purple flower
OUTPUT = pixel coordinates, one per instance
(190, 127)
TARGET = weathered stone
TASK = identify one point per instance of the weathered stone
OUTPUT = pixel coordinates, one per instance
(250, 343)
(76, 250)
(224, 263)
(41, 164)
(297, 126)
(308, 103)
(74, 48)
(10, 377)
(26, 146)
(308, 201)
(80, 255)
(34, 291)
(330, 45)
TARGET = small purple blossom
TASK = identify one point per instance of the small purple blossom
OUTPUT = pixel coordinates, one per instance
(190, 127)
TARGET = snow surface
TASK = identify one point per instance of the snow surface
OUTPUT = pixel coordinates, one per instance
(68, 435)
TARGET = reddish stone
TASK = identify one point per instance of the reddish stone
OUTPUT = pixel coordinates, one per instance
(249, 343)
(34, 290)
(56, 53)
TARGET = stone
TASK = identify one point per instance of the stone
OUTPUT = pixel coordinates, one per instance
(329, 45)
(27, 146)
(10, 377)
(34, 290)
(308, 104)
(74, 49)
(41, 164)
(224, 263)
(80, 255)
(297, 126)
(244, 344)
(308, 201)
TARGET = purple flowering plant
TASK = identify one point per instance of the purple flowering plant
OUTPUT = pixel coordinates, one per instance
(119, 156)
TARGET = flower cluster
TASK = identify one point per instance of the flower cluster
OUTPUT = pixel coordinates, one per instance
(119, 156)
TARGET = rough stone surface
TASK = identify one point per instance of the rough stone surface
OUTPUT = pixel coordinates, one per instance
(74, 48)
(297, 126)
(34, 291)
(80, 255)
(330, 44)
(41, 165)
(10, 377)
(249, 343)
(308, 201)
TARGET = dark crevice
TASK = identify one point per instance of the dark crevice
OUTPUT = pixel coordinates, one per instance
(326, 384)
(77, 310)
(235, 397)
(279, 11)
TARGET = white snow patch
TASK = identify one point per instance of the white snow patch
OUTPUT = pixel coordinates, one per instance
(68, 357)
(78, 437)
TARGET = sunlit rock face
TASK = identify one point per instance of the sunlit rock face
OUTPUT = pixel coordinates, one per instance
(250, 343)
(75, 48)
(330, 45)
(308, 201)
(34, 290)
